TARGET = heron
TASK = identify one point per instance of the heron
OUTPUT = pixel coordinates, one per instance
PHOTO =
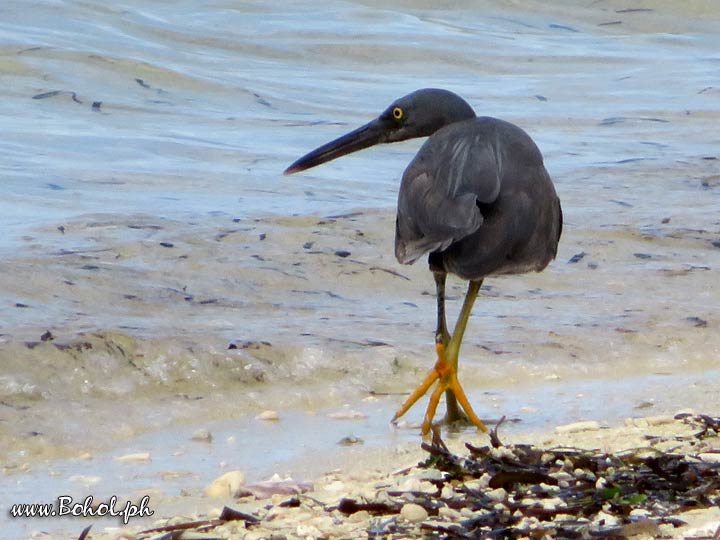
(476, 198)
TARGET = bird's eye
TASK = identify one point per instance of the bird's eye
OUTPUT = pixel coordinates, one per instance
(398, 113)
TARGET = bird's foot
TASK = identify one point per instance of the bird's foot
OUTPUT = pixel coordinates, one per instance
(446, 377)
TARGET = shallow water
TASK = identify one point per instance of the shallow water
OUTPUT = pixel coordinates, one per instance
(148, 228)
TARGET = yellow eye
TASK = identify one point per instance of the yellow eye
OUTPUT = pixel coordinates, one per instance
(397, 113)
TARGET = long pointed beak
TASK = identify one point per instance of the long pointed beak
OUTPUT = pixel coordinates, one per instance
(365, 136)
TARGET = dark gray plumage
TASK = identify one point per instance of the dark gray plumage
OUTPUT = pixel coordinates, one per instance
(476, 197)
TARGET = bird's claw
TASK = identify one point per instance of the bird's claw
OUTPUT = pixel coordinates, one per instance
(447, 380)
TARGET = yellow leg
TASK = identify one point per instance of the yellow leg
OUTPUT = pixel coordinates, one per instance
(445, 372)
(451, 383)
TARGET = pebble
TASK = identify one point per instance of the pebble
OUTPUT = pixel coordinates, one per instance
(640, 512)
(608, 520)
(305, 531)
(408, 484)
(710, 457)
(347, 415)
(660, 420)
(582, 474)
(268, 416)
(497, 495)
(350, 440)
(359, 517)
(503, 453)
(553, 503)
(85, 479)
(479, 483)
(138, 457)
(561, 476)
(500, 507)
(448, 492)
(644, 528)
(577, 427)
(449, 513)
(202, 435)
(432, 474)
(414, 513)
(228, 485)
(527, 523)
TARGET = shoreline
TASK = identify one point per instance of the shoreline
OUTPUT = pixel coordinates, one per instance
(323, 508)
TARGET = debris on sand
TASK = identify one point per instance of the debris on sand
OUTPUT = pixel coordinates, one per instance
(497, 491)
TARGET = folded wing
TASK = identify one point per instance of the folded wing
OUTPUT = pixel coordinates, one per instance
(456, 171)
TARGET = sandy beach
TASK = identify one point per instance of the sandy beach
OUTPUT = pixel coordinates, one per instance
(174, 309)
(209, 412)
(406, 493)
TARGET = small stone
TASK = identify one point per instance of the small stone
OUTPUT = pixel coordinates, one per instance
(710, 457)
(138, 457)
(202, 435)
(577, 427)
(553, 503)
(642, 528)
(359, 517)
(562, 476)
(228, 485)
(214, 513)
(449, 513)
(85, 479)
(659, 420)
(409, 484)
(414, 513)
(527, 524)
(432, 474)
(474, 485)
(268, 416)
(304, 531)
(497, 495)
(608, 520)
(350, 440)
(584, 474)
(503, 453)
(500, 508)
(347, 415)
(448, 492)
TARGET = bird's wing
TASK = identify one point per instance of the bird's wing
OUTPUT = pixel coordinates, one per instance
(438, 202)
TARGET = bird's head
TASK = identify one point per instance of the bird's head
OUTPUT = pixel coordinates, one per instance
(418, 114)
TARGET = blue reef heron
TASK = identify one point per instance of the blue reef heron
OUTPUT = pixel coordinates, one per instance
(476, 197)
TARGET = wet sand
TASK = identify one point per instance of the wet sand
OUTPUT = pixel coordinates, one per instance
(215, 365)
(157, 284)
(275, 313)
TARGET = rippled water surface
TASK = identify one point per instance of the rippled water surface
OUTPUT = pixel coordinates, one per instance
(153, 255)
